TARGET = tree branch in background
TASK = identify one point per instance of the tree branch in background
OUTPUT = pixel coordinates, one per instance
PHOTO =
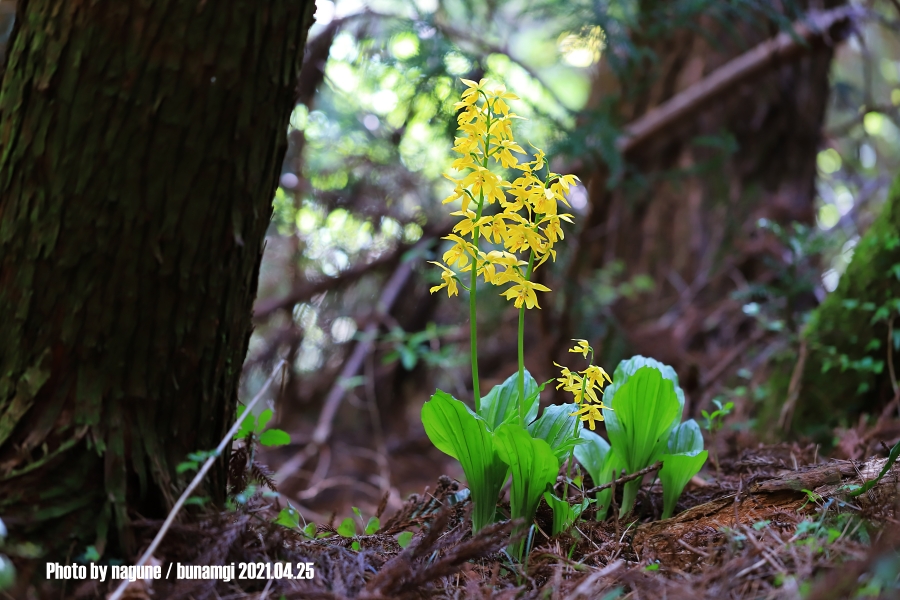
(365, 345)
(786, 46)
(308, 289)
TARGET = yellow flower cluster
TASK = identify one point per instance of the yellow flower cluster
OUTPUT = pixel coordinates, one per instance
(584, 385)
(528, 220)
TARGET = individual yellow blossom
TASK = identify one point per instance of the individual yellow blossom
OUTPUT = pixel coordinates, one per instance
(463, 162)
(497, 230)
(503, 153)
(466, 146)
(468, 224)
(473, 89)
(482, 179)
(589, 413)
(449, 281)
(457, 253)
(523, 292)
(568, 377)
(581, 347)
(596, 376)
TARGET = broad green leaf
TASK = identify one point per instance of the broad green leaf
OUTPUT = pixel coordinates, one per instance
(310, 530)
(500, 405)
(347, 528)
(373, 525)
(676, 471)
(687, 437)
(457, 431)
(288, 517)
(592, 454)
(263, 419)
(533, 466)
(246, 425)
(564, 514)
(405, 538)
(557, 427)
(643, 409)
(274, 437)
(600, 461)
(629, 367)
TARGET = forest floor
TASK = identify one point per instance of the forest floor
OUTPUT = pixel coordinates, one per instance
(774, 522)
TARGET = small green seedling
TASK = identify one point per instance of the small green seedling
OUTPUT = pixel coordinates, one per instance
(564, 514)
(715, 420)
(194, 460)
(405, 538)
(254, 427)
(371, 526)
(713, 423)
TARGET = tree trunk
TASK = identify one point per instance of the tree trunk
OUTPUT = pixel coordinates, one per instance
(696, 190)
(852, 363)
(141, 146)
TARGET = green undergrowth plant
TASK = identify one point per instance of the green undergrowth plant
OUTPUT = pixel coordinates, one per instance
(644, 426)
(507, 230)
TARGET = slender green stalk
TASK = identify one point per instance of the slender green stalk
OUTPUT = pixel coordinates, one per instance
(575, 433)
(473, 280)
(522, 348)
(473, 324)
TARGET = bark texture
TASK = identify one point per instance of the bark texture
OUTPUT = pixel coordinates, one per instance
(688, 216)
(141, 146)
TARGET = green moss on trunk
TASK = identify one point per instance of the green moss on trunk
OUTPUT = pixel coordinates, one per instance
(141, 144)
(847, 338)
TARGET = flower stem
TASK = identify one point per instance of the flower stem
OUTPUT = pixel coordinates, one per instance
(473, 280)
(473, 323)
(575, 433)
(521, 341)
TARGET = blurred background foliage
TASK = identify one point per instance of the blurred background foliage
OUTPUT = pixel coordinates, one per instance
(706, 244)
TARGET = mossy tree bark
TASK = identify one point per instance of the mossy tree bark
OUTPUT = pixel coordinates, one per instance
(847, 370)
(141, 145)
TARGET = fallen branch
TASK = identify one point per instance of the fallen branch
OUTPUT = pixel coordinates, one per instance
(624, 479)
(195, 482)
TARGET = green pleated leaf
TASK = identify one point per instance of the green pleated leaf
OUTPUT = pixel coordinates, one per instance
(676, 471)
(687, 437)
(347, 528)
(557, 427)
(501, 404)
(627, 368)
(600, 461)
(533, 466)
(457, 431)
(644, 409)
(275, 437)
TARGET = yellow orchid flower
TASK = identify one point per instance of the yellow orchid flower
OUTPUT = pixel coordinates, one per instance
(523, 292)
(581, 347)
(589, 413)
(449, 278)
